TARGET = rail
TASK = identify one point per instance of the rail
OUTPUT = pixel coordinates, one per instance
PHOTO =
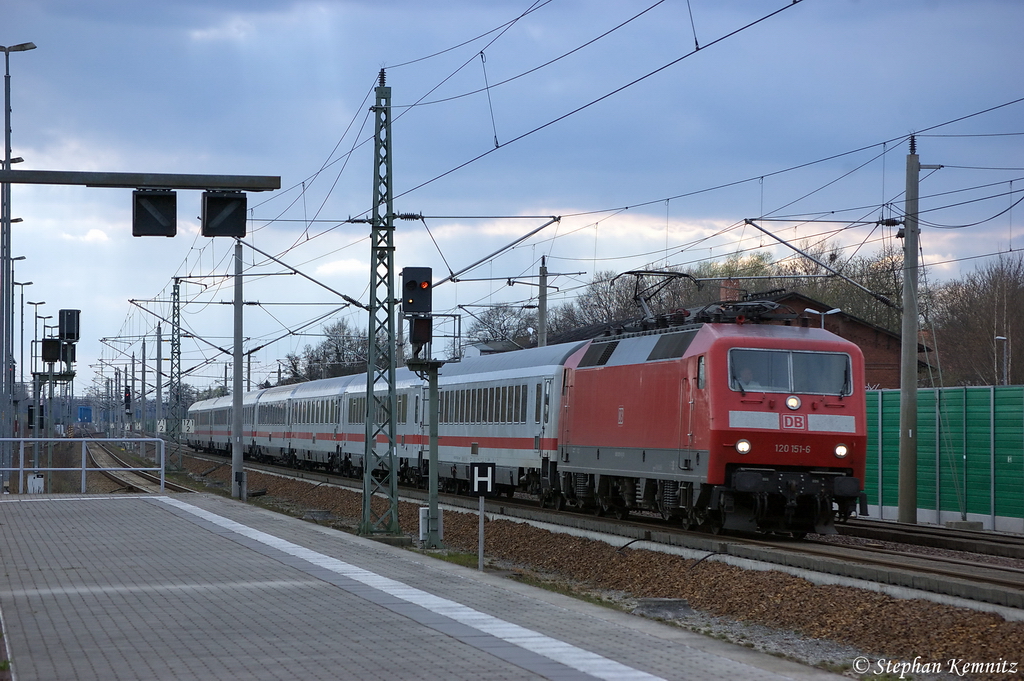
(34, 469)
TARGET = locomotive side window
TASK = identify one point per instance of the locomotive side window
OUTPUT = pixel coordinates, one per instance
(701, 373)
(816, 373)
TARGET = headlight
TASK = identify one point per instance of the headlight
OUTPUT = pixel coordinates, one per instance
(743, 446)
(842, 451)
(793, 402)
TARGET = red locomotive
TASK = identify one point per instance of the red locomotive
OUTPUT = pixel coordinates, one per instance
(737, 425)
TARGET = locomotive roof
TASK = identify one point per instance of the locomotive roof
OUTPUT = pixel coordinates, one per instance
(775, 331)
(675, 342)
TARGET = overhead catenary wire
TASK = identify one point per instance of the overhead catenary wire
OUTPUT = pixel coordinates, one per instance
(762, 176)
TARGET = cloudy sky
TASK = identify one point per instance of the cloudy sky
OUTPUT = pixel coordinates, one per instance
(506, 113)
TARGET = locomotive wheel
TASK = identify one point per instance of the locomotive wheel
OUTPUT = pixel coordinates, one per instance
(542, 500)
(711, 522)
(559, 502)
(621, 512)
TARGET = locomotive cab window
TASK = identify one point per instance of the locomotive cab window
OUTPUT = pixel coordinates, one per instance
(785, 371)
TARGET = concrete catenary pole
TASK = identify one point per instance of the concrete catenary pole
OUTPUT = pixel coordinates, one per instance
(542, 305)
(142, 393)
(238, 490)
(159, 379)
(907, 501)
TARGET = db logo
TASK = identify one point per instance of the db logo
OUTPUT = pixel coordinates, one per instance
(794, 422)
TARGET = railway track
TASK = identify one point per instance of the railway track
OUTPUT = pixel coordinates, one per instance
(133, 481)
(956, 575)
(971, 541)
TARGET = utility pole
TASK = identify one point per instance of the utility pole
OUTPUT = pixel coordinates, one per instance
(142, 393)
(380, 365)
(159, 413)
(238, 486)
(174, 384)
(907, 503)
(133, 391)
(542, 305)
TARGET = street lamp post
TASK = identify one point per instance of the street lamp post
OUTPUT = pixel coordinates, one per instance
(21, 342)
(1006, 364)
(6, 287)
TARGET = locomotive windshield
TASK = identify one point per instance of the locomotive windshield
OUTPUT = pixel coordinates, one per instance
(786, 371)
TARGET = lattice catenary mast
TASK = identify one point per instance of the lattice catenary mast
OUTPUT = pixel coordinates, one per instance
(381, 402)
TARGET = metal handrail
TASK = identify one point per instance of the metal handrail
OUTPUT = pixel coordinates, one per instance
(161, 448)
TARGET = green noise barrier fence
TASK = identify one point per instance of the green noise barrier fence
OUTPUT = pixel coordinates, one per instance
(970, 455)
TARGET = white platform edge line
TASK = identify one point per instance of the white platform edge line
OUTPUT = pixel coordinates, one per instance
(558, 651)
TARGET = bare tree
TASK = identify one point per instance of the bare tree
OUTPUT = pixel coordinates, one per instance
(503, 322)
(969, 313)
(342, 352)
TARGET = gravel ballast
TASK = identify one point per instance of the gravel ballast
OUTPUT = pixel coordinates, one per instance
(840, 628)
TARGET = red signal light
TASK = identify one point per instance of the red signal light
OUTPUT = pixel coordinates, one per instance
(418, 290)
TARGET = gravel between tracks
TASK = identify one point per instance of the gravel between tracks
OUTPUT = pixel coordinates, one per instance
(825, 626)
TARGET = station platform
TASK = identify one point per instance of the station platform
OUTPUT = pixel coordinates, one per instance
(207, 588)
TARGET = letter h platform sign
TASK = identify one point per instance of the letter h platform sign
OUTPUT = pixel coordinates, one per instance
(481, 478)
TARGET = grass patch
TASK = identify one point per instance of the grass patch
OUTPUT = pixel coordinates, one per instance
(565, 590)
(469, 560)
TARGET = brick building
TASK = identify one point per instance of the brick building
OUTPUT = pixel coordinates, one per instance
(880, 346)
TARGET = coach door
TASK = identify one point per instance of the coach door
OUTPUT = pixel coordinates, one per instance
(565, 419)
